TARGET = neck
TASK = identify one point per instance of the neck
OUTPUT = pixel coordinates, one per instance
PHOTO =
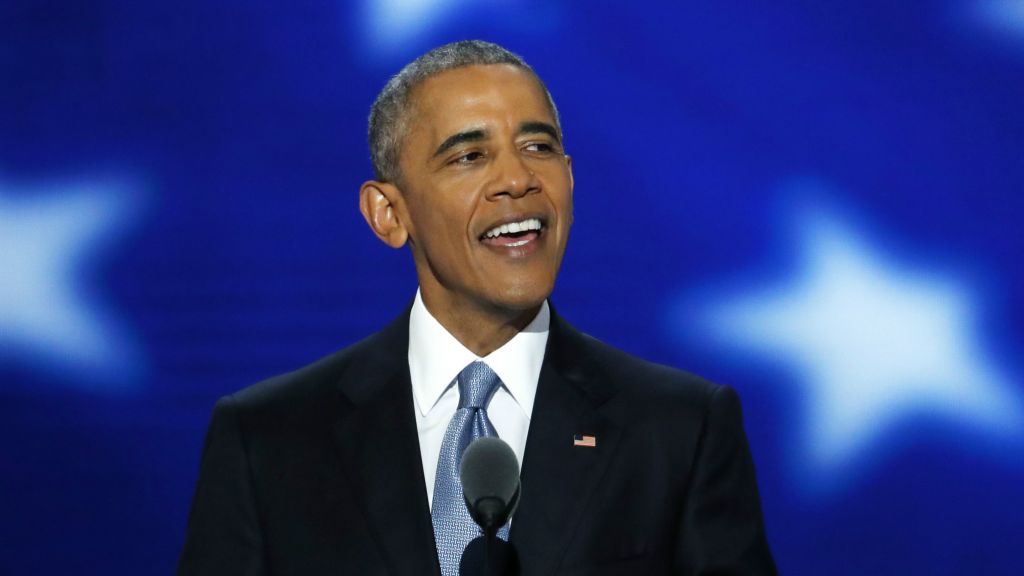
(481, 328)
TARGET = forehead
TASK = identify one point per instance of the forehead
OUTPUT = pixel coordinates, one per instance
(481, 94)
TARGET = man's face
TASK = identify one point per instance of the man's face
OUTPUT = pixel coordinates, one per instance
(486, 189)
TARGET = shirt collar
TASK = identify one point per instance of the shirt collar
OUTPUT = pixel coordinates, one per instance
(436, 358)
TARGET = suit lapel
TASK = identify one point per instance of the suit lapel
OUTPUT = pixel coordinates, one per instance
(377, 438)
(558, 477)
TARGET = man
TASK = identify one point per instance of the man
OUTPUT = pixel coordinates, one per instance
(349, 466)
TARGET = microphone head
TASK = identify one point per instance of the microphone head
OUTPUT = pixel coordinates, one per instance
(490, 481)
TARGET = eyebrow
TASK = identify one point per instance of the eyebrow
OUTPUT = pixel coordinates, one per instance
(454, 140)
(478, 134)
(539, 128)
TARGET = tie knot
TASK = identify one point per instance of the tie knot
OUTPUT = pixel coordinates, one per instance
(477, 383)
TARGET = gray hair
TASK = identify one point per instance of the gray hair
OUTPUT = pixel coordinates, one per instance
(390, 110)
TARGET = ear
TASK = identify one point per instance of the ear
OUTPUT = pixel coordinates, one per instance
(379, 202)
(568, 164)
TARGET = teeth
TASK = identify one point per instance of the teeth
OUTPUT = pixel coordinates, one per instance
(514, 227)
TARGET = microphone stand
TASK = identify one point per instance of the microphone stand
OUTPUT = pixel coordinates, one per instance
(492, 515)
(490, 536)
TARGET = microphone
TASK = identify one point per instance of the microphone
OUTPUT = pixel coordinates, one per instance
(490, 482)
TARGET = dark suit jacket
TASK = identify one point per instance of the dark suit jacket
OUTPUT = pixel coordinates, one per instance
(319, 472)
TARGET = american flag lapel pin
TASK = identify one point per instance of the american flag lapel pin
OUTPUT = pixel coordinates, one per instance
(584, 440)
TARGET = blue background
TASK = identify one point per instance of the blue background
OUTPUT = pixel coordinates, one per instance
(817, 204)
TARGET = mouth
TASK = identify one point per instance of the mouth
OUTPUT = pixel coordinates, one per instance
(517, 235)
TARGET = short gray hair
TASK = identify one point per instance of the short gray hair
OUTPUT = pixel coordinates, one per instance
(391, 108)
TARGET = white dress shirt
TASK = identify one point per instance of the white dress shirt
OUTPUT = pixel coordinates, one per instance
(435, 360)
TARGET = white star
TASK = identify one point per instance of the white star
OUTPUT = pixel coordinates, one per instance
(874, 346)
(391, 24)
(48, 315)
(1004, 17)
(397, 29)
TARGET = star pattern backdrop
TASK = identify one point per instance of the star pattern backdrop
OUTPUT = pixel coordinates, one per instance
(818, 204)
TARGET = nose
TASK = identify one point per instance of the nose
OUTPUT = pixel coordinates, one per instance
(512, 177)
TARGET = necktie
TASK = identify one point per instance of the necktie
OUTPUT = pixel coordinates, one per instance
(453, 528)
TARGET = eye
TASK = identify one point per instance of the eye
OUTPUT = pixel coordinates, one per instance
(541, 148)
(467, 158)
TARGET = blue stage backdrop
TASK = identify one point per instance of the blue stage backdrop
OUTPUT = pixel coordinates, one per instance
(819, 204)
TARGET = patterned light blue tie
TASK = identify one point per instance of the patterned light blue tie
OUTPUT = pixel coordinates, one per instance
(453, 528)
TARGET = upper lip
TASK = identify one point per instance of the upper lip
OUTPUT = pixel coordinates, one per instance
(514, 218)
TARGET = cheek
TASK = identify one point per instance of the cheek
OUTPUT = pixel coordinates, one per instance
(443, 228)
(560, 194)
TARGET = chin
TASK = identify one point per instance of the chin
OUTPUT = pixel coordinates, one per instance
(521, 297)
